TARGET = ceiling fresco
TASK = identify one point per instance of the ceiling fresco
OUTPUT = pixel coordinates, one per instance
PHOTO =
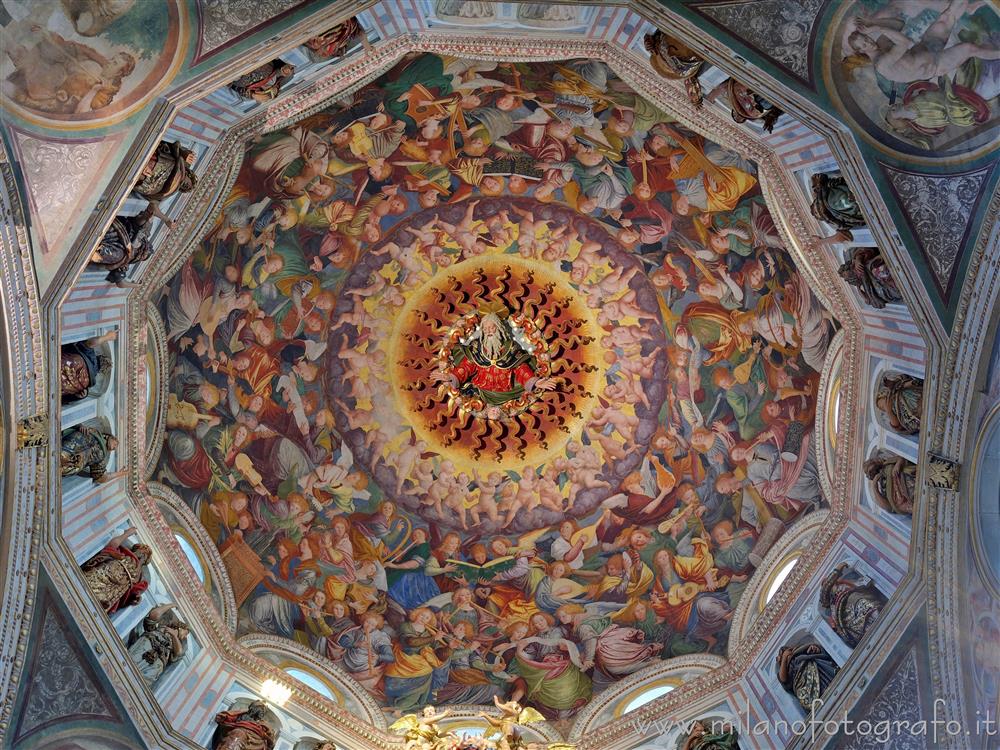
(493, 380)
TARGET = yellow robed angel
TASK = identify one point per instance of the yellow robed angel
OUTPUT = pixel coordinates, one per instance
(421, 730)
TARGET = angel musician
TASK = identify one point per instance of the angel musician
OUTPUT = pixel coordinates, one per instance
(512, 716)
(421, 730)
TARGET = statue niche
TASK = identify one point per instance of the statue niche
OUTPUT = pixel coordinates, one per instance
(806, 671)
(834, 203)
(900, 398)
(893, 482)
(850, 603)
(865, 269)
(114, 575)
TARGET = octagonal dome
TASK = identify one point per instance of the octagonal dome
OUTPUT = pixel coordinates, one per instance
(492, 379)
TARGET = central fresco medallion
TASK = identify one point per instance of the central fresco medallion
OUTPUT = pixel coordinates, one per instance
(493, 379)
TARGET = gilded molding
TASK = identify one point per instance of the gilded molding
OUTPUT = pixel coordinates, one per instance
(156, 332)
(24, 480)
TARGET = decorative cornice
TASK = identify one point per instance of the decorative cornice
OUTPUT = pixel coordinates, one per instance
(23, 480)
(160, 380)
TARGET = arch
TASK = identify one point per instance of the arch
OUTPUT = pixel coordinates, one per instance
(793, 544)
(985, 504)
(348, 695)
(180, 518)
(155, 365)
(610, 704)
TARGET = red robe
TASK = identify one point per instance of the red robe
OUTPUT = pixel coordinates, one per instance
(492, 377)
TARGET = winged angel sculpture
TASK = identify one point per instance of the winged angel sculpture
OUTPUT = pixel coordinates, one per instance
(422, 732)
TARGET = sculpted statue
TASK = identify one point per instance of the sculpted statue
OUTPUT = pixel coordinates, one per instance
(893, 482)
(167, 171)
(334, 42)
(421, 730)
(866, 270)
(806, 672)
(746, 105)
(114, 574)
(900, 397)
(126, 242)
(705, 737)
(834, 203)
(85, 450)
(262, 84)
(161, 642)
(251, 728)
(84, 367)
(512, 717)
(675, 60)
(851, 602)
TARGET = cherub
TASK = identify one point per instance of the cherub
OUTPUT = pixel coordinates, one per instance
(487, 500)
(357, 316)
(582, 469)
(587, 259)
(613, 312)
(611, 447)
(604, 415)
(440, 488)
(527, 232)
(355, 360)
(519, 496)
(628, 338)
(559, 242)
(464, 234)
(549, 494)
(613, 284)
(406, 459)
(500, 234)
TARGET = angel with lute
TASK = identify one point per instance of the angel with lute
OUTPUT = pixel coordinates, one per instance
(421, 730)
(512, 716)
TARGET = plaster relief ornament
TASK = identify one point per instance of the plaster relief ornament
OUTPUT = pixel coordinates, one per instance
(900, 397)
(160, 641)
(248, 725)
(262, 84)
(675, 60)
(335, 41)
(893, 482)
(806, 671)
(850, 603)
(85, 367)
(834, 203)
(114, 575)
(124, 244)
(865, 269)
(493, 380)
(86, 449)
(747, 105)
